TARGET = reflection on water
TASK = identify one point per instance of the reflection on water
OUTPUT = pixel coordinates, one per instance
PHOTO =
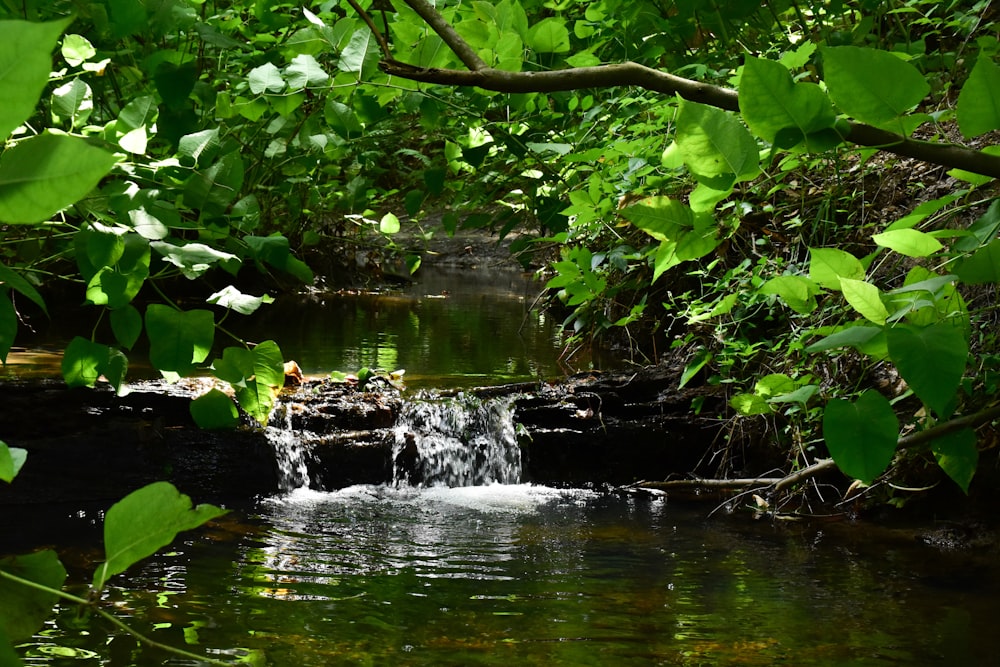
(450, 328)
(525, 575)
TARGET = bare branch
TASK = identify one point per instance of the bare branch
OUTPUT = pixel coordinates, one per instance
(633, 74)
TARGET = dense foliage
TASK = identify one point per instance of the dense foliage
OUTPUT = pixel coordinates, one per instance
(733, 215)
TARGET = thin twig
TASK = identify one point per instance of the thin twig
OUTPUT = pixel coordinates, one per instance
(448, 34)
(379, 37)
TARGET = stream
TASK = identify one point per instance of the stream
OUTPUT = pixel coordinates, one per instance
(475, 567)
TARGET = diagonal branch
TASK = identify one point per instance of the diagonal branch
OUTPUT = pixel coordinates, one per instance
(482, 76)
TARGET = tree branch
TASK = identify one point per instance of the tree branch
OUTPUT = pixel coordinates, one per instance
(634, 74)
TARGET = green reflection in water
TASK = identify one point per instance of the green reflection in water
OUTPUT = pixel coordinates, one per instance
(531, 576)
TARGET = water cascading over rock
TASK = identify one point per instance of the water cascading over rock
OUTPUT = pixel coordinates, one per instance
(462, 441)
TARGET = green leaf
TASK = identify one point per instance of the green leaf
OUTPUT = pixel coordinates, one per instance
(932, 360)
(11, 460)
(774, 384)
(978, 108)
(982, 267)
(716, 147)
(25, 609)
(126, 324)
(360, 55)
(42, 175)
(750, 404)
(828, 265)
(662, 218)
(193, 259)
(865, 298)
(8, 656)
(77, 50)
(780, 111)
(861, 436)
(143, 522)
(256, 397)
(18, 283)
(25, 63)
(797, 291)
(178, 339)
(549, 35)
(305, 72)
(214, 188)
(73, 101)
(245, 304)
(958, 456)
(215, 410)
(199, 147)
(115, 287)
(8, 324)
(849, 337)
(909, 242)
(873, 86)
(265, 79)
(82, 362)
(389, 224)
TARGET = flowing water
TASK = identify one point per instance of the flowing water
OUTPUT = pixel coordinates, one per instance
(504, 573)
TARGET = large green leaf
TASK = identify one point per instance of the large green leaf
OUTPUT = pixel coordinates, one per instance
(24, 608)
(305, 72)
(44, 174)
(178, 339)
(909, 242)
(958, 456)
(25, 63)
(872, 86)
(144, 521)
(717, 149)
(549, 35)
(256, 396)
(828, 265)
(194, 259)
(865, 298)
(932, 360)
(861, 436)
(215, 410)
(116, 286)
(11, 460)
(662, 218)
(245, 304)
(83, 361)
(73, 102)
(781, 111)
(797, 291)
(978, 108)
(855, 336)
(214, 188)
(982, 267)
(265, 78)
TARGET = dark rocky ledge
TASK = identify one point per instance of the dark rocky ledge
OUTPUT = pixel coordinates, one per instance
(91, 445)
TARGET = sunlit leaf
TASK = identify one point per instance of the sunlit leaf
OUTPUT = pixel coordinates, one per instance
(245, 304)
(193, 259)
(178, 339)
(73, 101)
(797, 291)
(44, 174)
(750, 404)
(865, 298)
(873, 86)
(828, 265)
(549, 35)
(11, 461)
(909, 242)
(716, 147)
(215, 410)
(779, 110)
(861, 436)
(849, 337)
(662, 218)
(82, 361)
(305, 72)
(143, 522)
(25, 63)
(265, 79)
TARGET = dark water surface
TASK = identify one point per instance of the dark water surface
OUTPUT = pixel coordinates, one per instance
(522, 575)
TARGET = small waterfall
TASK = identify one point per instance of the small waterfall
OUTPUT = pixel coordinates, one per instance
(462, 441)
(290, 452)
